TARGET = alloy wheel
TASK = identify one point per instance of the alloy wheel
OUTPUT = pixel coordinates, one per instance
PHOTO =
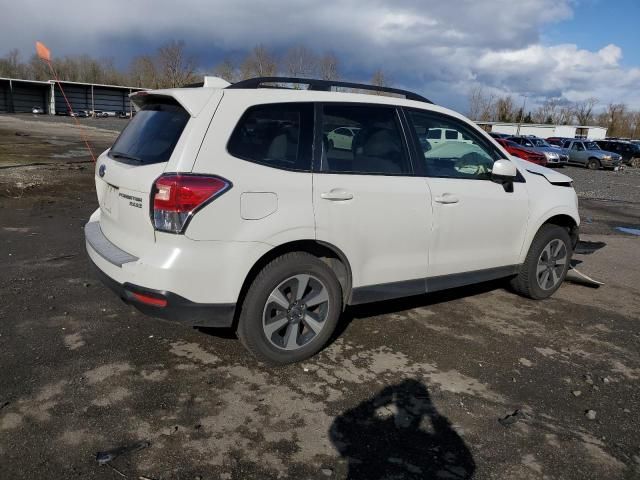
(295, 312)
(551, 264)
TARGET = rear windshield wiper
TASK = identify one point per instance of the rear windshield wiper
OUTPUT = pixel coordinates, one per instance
(125, 156)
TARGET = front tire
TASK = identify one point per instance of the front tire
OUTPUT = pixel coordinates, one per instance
(593, 164)
(291, 309)
(546, 264)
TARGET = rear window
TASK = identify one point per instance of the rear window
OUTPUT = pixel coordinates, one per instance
(152, 134)
(277, 135)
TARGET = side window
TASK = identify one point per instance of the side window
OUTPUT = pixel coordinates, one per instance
(277, 135)
(377, 146)
(577, 146)
(451, 135)
(467, 156)
(434, 134)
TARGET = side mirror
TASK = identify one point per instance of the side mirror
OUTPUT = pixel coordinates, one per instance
(504, 172)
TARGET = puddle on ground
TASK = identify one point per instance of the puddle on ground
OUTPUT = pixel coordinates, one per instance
(631, 231)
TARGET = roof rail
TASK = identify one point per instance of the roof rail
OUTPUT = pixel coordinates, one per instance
(325, 85)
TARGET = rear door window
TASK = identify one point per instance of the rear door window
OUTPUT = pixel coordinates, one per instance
(278, 135)
(378, 146)
(152, 133)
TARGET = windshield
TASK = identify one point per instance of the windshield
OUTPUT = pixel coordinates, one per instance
(152, 134)
(538, 142)
(591, 146)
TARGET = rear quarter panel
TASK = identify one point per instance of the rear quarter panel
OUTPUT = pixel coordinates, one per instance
(290, 192)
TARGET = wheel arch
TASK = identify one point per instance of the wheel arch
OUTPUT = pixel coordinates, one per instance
(561, 216)
(330, 254)
(566, 221)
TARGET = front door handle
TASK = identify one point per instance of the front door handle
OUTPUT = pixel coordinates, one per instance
(337, 195)
(447, 198)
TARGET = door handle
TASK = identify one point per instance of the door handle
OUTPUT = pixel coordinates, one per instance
(446, 199)
(337, 195)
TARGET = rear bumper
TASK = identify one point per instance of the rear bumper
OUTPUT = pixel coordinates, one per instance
(177, 308)
(148, 287)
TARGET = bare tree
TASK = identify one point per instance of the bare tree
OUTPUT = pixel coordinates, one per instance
(143, 72)
(11, 66)
(38, 70)
(481, 105)
(379, 79)
(226, 70)
(505, 110)
(175, 67)
(583, 111)
(614, 119)
(299, 61)
(564, 115)
(259, 63)
(328, 67)
(547, 112)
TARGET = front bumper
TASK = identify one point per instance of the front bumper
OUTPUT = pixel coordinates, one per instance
(611, 163)
(109, 261)
(562, 160)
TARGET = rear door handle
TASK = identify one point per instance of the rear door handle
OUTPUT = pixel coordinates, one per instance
(337, 195)
(447, 198)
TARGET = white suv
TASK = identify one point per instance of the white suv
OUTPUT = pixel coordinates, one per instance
(225, 205)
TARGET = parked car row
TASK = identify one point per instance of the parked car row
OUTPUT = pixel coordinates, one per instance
(521, 152)
(531, 148)
(628, 150)
(560, 151)
(88, 113)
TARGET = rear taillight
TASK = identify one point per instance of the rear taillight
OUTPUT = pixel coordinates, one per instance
(176, 197)
(149, 299)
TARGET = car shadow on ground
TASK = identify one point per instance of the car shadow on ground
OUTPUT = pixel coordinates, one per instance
(399, 433)
(386, 307)
(352, 313)
(364, 311)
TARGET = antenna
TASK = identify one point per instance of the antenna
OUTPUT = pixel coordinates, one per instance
(45, 54)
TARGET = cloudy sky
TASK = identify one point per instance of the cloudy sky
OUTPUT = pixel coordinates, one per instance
(573, 49)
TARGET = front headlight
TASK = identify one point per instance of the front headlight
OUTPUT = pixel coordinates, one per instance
(551, 155)
(606, 157)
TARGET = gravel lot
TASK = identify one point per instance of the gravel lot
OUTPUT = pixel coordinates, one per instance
(621, 186)
(472, 383)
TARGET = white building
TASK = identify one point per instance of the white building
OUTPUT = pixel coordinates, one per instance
(545, 130)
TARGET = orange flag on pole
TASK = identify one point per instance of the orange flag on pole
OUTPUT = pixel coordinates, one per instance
(43, 52)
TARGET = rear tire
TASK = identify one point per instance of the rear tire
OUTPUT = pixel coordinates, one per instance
(593, 164)
(291, 309)
(546, 264)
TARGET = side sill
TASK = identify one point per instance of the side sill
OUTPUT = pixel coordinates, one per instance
(408, 288)
(444, 282)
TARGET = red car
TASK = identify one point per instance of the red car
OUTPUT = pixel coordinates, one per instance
(522, 152)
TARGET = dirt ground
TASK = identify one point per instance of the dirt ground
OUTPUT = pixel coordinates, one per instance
(472, 383)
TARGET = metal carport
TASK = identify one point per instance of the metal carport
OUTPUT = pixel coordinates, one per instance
(20, 96)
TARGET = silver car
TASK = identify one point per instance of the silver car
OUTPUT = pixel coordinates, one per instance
(588, 153)
(555, 155)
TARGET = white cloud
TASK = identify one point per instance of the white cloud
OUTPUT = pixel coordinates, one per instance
(442, 48)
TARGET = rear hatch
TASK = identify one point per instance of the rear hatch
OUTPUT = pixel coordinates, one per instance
(126, 172)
